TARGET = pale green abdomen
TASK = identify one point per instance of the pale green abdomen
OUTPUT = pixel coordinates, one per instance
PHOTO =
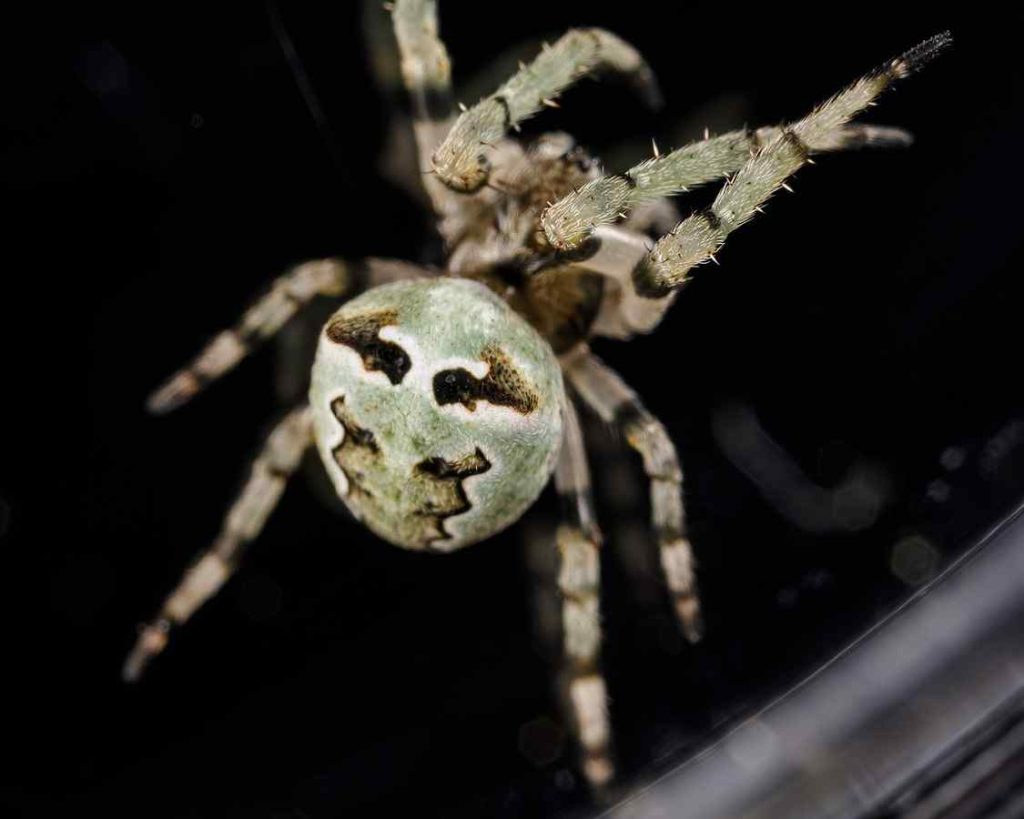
(437, 411)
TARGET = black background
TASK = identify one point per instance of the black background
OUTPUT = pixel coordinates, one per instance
(162, 166)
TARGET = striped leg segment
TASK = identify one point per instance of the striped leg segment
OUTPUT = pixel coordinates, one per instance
(271, 470)
(613, 401)
(426, 70)
(572, 219)
(268, 314)
(426, 73)
(286, 296)
(696, 239)
(579, 577)
(614, 253)
(461, 162)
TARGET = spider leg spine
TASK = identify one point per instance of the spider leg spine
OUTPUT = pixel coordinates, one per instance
(697, 238)
(458, 160)
(572, 219)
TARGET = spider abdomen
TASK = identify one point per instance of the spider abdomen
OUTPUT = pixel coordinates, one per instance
(436, 411)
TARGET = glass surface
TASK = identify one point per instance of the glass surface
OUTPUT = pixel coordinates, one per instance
(843, 391)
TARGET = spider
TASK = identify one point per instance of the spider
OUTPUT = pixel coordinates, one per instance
(442, 400)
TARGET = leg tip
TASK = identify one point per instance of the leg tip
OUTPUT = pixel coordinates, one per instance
(599, 771)
(177, 391)
(131, 671)
(151, 641)
(690, 620)
(923, 53)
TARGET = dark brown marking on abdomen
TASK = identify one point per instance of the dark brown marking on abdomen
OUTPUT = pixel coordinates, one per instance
(362, 334)
(450, 475)
(503, 386)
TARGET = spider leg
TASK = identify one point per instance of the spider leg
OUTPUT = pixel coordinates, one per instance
(279, 458)
(460, 161)
(573, 218)
(426, 73)
(286, 296)
(614, 251)
(696, 239)
(579, 576)
(608, 395)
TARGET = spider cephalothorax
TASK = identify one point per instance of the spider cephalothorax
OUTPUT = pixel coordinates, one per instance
(437, 400)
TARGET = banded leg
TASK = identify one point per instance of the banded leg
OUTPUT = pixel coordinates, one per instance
(426, 73)
(573, 218)
(286, 296)
(696, 239)
(579, 577)
(615, 253)
(460, 162)
(280, 457)
(608, 395)
(268, 314)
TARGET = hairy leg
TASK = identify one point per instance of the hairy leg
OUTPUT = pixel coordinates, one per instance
(279, 458)
(645, 275)
(579, 577)
(573, 218)
(268, 314)
(696, 239)
(608, 395)
(461, 161)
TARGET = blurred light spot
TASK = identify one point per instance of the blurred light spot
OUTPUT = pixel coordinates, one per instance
(853, 504)
(938, 491)
(1000, 446)
(259, 597)
(952, 458)
(541, 740)
(856, 505)
(914, 560)
(752, 745)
